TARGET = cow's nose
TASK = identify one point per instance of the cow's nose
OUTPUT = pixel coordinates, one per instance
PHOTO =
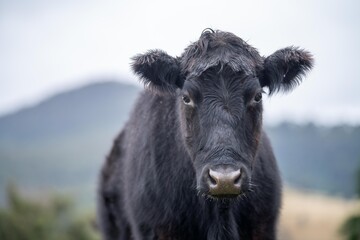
(224, 181)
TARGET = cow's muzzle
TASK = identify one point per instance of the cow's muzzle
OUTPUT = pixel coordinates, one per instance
(224, 181)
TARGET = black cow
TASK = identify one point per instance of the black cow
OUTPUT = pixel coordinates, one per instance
(193, 161)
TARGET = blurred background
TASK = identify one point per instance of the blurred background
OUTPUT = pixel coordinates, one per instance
(66, 90)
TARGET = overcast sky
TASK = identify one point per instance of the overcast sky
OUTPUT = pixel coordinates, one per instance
(50, 46)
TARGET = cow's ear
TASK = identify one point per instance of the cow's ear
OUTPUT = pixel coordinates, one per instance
(158, 71)
(284, 69)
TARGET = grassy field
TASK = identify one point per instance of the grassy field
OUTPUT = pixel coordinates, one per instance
(304, 215)
(310, 216)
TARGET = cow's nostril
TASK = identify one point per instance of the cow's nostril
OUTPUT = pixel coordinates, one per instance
(212, 177)
(237, 177)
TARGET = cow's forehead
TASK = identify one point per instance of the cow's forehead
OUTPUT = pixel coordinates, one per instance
(221, 77)
(220, 48)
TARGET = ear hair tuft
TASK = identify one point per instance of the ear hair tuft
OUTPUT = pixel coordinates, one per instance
(285, 69)
(158, 71)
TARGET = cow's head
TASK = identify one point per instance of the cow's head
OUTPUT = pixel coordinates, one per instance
(218, 82)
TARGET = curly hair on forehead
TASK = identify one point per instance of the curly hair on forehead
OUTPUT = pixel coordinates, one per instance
(219, 48)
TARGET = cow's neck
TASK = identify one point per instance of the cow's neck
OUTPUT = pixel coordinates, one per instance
(223, 225)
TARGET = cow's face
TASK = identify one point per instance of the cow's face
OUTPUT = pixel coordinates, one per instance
(218, 85)
(221, 117)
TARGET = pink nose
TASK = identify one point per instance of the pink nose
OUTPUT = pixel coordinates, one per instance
(224, 181)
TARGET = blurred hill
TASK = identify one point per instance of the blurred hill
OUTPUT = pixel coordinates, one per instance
(59, 145)
(324, 159)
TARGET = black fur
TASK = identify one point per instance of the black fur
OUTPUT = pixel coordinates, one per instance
(154, 182)
(158, 70)
(284, 69)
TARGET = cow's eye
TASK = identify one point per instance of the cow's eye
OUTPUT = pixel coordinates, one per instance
(187, 100)
(258, 97)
